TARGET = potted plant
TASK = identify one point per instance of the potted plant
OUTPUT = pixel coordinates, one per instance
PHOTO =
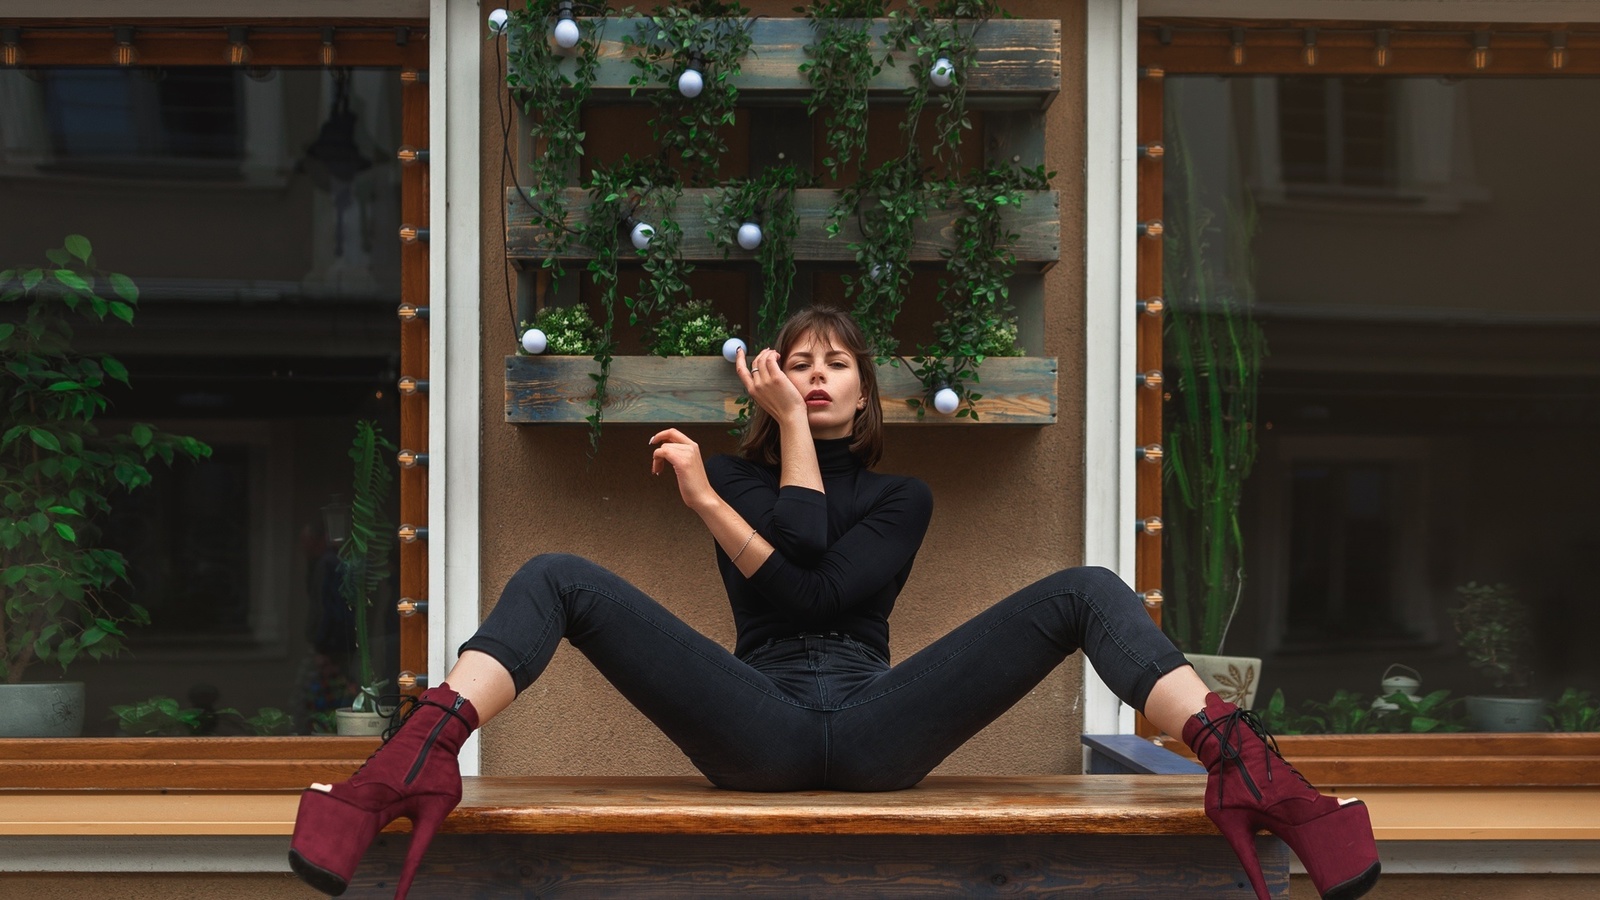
(58, 474)
(364, 570)
(690, 329)
(1214, 348)
(1493, 629)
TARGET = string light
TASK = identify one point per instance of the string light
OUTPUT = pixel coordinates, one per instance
(498, 20)
(10, 47)
(327, 47)
(1311, 47)
(125, 53)
(238, 45)
(640, 235)
(731, 348)
(1238, 47)
(749, 235)
(942, 73)
(1558, 50)
(1480, 50)
(946, 400)
(566, 31)
(692, 81)
(1381, 54)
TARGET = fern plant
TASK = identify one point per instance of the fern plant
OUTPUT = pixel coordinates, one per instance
(364, 556)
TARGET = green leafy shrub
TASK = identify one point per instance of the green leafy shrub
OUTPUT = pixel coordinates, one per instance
(569, 330)
(1575, 710)
(690, 329)
(1494, 633)
(161, 716)
(58, 471)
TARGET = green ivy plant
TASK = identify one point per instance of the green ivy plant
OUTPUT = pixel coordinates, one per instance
(58, 471)
(552, 103)
(716, 36)
(364, 556)
(694, 328)
(767, 199)
(568, 330)
(975, 291)
(1574, 710)
(841, 66)
(665, 282)
(887, 202)
(945, 29)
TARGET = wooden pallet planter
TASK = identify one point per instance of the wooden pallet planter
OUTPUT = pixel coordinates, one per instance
(1019, 64)
(653, 390)
(1036, 221)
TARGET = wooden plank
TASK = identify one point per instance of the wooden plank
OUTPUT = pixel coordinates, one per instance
(414, 357)
(941, 805)
(784, 867)
(650, 389)
(187, 748)
(272, 44)
(1036, 221)
(1019, 63)
(224, 764)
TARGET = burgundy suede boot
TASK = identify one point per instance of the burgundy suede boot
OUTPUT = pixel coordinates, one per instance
(1251, 787)
(413, 774)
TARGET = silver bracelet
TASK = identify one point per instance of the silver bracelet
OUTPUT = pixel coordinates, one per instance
(745, 547)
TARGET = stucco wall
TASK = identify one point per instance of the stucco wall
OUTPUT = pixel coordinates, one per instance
(1008, 510)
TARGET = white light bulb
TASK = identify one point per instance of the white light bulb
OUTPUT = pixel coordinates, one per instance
(641, 236)
(567, 33)
(749, 235)
(498, 20)
(731, 348)
(942, 71)
(691, 83)
(534, 341)
(877, 271)
(946, 401)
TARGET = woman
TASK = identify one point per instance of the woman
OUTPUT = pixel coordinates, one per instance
(814, 547)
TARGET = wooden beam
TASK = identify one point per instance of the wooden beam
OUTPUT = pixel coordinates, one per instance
(1019, 63)
(189, 763)
(1036, 221)
(653, 390)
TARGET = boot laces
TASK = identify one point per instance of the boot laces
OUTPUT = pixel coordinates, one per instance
(1231, 749)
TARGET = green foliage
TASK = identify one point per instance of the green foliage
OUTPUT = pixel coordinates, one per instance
(1575, 710)
(841, 67)
(887, 202)
(1278, 718)
(268, 721)
(691, 329)
(666, 272)
(1432, 714)
(945, 29)
(1494, 633)
(1214, 350)
(976, 291)
(717, 36)
(569, 330)
(615, 192)
(553, 102)
(162, 716)
(768, 199)
(58, 472)
(1348, 712)
(364, 556)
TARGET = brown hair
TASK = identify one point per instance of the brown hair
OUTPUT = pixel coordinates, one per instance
(840, 331)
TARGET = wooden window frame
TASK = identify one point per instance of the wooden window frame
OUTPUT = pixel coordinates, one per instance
(1186, 46)
(261, 763)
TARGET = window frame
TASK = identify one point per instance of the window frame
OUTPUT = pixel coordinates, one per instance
(263, 763)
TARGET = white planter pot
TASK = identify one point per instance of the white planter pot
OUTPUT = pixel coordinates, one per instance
(349, 723)
(1506, 714)
(1234, 678)
(51, 709)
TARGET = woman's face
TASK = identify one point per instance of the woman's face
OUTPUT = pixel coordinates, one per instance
(829, 382)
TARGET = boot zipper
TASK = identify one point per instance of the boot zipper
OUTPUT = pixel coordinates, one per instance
(422, 756)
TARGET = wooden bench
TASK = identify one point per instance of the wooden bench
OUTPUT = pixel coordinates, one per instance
(1105, 836)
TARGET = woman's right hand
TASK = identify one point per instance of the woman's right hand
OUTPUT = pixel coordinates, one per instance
(772, 390)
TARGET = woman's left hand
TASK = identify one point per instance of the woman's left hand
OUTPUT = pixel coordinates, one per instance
(674, 449)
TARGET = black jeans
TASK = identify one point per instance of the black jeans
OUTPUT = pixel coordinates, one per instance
(822, 711)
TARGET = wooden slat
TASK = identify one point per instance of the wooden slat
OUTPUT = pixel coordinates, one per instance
(414, 355)
(783, 867)
(178, 763)
(649, 389)
(1019, 63)
(941, 805)
(372, 44)
(1037, 222)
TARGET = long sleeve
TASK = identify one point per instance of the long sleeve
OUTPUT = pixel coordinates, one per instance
(793, 519)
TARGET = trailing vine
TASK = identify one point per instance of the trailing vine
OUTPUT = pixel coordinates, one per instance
(887, 202)
(767, 200)
(931, 33)
(842, 64)
(553, 104)
(975, 292)
(711, 36)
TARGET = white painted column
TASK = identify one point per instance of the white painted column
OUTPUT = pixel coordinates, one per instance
(454, 47)
(1111, 110)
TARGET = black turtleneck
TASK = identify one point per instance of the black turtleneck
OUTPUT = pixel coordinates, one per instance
(840, 556)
